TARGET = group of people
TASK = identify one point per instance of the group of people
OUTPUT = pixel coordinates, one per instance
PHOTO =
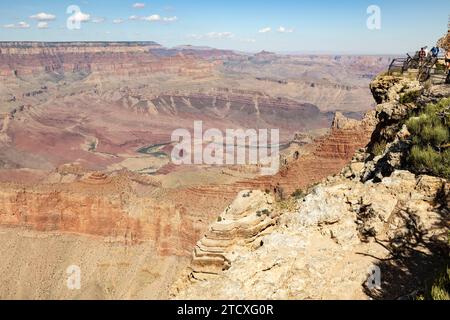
(424, 53)
(447, 59)
(426, 56)
(447, 63)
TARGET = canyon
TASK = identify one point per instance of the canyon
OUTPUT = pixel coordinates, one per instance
(377, 230)
(85, 170)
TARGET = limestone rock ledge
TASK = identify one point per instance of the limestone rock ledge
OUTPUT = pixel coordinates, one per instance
(326, 247)
(242, 224)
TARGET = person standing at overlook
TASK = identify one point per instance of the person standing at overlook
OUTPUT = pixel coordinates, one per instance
(447, 63)
(434, 52)
(447, 59)
(422, 55)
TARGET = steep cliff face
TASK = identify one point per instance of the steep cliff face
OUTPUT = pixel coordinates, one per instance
(326, 244)
(112, 207)
(323, 157)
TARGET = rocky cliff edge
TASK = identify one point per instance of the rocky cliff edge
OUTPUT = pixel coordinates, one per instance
(376, 217)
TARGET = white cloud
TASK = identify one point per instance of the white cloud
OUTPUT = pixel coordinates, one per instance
(220, 35)
(20, 25)
(42, 16)
(153, 17)
(118, 21)
(98, 20)
(42, 25)
(284, 30)
(139, 5)
(195, 36)
(212, 35)
(134, 18)
(265, 30)
(157, 17)
(170, 19)
(80, 17)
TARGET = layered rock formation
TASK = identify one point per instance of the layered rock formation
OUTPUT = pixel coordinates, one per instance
(329, 243)
(84, 132)
(51, 134)
(114, 207)
(320, 159)
(110, 208)
(27, 59)
(238, 225)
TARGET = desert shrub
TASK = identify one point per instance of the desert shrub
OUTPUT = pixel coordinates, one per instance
(379, 148)
(438, 289)
(435, 136)
(441, 286)
(440, 68)
(424, 158)
(92, 146)
(410, 97)
(298, 194)
(430, 136)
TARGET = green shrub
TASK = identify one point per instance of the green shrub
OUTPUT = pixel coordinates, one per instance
(430, 136)
(298, 194)
(92, 146)
(438, 289)
(441, 286)
(410, 97)
(435, 136)
(379, 148)
(424, 159)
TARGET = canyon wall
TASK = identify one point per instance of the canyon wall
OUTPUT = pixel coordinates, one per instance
(80, 121)
(26, 60)
(377, 216)
(106, 205)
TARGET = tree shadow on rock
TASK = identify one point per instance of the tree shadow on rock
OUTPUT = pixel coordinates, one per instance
(415, 258)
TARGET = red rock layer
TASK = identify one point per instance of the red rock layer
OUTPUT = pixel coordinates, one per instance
(329, 155)
(118, 59)
(173, 220)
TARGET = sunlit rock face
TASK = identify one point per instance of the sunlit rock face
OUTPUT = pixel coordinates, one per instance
(85, 168)
(374, 218)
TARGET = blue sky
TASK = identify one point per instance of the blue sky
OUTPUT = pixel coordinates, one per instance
(282, 26)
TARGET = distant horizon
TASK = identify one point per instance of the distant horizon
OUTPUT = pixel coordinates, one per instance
(199, 47)
(348, 27)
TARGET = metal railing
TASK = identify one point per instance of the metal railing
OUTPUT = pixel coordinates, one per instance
(426, 69)
(397, 65)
